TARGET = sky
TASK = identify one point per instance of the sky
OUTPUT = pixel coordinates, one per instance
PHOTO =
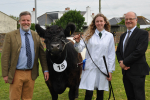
(110, 8)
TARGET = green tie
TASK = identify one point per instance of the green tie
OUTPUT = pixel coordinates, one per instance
(100, 34)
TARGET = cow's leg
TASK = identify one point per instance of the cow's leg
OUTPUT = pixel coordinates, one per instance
(72, 92)
(54, 95)
(52, 92)
(77, 92)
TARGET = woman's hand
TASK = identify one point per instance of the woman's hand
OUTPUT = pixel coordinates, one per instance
(110, 77)
(77, 38)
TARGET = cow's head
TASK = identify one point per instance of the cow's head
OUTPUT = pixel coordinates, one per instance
(55, 37)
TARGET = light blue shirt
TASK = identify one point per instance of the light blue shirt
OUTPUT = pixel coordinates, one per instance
(129, 35)
(22, 60)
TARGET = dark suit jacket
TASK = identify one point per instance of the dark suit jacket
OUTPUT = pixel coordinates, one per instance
(134, 54)
(11, 51)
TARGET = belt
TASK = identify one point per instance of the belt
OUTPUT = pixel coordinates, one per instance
(24, 69)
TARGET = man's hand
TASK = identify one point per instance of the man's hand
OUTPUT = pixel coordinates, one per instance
(110, 77)
(123, 66)
(126, 68)
(5, 79)
(46, 76)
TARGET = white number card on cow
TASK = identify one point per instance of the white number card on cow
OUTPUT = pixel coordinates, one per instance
(60, 67)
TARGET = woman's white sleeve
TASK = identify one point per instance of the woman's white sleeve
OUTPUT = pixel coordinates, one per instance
(79, 46)
(111, 55)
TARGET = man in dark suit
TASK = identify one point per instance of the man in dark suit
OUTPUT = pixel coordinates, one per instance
(19, 60)
(131, 56)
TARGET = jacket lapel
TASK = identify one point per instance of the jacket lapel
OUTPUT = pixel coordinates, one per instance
(132, 35)
(121, 41)
(34, 39)
(18, 39)
(103, 35)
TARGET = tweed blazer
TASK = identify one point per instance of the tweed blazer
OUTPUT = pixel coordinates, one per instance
(10, 54)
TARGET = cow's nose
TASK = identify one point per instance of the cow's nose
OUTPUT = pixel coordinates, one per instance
(55, 46)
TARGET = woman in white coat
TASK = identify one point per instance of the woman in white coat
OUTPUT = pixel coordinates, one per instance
(100, 42)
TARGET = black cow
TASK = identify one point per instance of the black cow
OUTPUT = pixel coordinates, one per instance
(62, 60)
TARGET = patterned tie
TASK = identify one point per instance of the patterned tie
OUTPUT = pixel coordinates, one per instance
(100, 34)
(126, 41)
(28, 51)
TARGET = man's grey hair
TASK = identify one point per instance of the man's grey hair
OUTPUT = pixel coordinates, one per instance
(24, 13)
(134, 14)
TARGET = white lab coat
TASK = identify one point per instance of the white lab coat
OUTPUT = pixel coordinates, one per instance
(91, 77)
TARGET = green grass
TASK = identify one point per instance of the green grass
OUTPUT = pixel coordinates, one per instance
(41, 91)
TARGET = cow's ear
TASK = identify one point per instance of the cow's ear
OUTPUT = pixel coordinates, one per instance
(70, 28)
(40, 30)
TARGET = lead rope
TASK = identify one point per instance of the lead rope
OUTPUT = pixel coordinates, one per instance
(65, 44)
(110, 85)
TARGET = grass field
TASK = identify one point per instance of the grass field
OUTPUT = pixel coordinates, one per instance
(41, 91)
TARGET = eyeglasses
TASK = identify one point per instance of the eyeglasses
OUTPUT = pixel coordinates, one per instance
(126, 19)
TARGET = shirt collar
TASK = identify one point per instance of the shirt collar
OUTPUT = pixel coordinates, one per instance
(131, 29)
(97, 32)
(23, 32)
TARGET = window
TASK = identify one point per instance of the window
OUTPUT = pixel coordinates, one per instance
(147, 20)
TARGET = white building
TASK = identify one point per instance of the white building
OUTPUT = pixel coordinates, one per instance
(7, 23)
(49, 17)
